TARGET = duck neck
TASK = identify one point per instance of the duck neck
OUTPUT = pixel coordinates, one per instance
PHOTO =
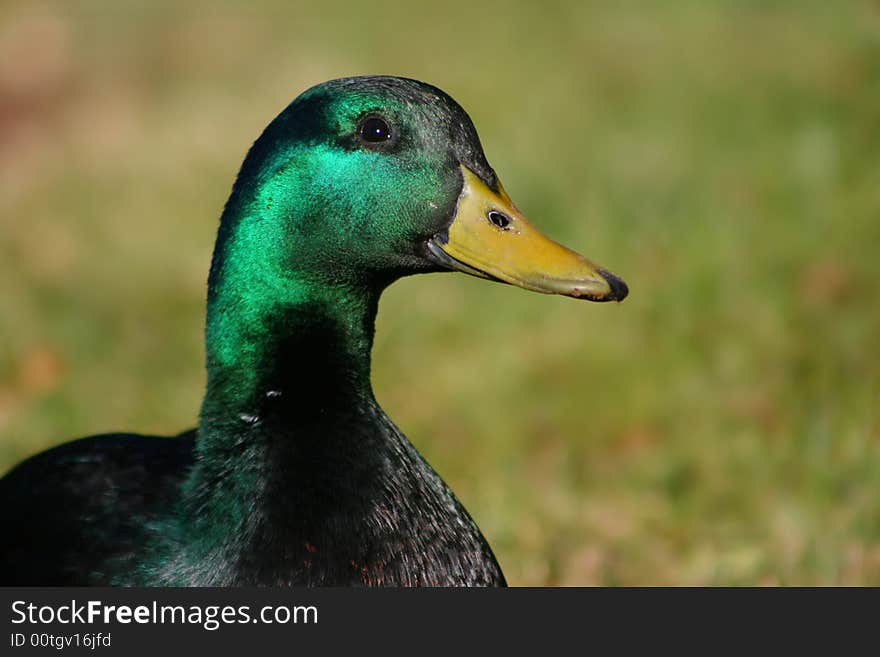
(286, 415)
(283, 358)
(288, 334)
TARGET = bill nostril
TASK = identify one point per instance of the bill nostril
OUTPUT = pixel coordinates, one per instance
(498, 219)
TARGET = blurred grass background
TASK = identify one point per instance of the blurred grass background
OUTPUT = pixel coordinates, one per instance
(719, 427)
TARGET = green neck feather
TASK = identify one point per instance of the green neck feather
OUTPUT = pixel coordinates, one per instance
(278, 326)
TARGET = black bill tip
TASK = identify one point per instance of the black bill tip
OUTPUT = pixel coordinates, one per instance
(619, 289)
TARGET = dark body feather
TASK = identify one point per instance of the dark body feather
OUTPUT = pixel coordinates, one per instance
(107, 510)
(72, 511)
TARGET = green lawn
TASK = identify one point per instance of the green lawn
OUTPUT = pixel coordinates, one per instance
(721, 426)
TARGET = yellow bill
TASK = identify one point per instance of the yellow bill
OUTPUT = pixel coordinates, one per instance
(490, 238)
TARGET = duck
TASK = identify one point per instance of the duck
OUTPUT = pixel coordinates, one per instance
(295, 476)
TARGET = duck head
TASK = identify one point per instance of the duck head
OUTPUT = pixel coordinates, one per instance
(360, 181)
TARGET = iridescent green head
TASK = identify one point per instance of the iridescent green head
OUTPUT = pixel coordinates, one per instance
(362, 180)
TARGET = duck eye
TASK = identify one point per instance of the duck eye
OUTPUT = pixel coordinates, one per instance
(374, 130)
(498, 219)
